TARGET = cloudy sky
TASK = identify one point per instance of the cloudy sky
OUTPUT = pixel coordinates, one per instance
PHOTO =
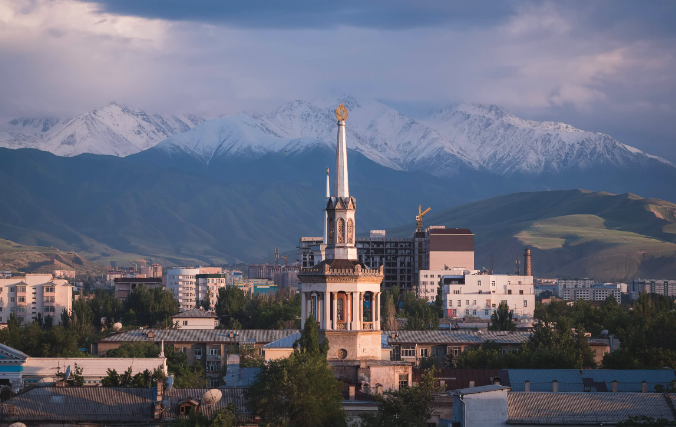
(606, 66)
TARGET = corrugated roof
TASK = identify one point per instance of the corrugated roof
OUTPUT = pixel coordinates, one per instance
(456, 337)
(573, 380)
(173, 397)
(80, 404)
(202, 335)
(583, 408)
(195, 312)
(455, 379)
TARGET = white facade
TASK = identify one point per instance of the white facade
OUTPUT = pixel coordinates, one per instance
(429, 281)
(478, 295)
(601, 292)
(28, 295)
(182, 282)
(210, 284)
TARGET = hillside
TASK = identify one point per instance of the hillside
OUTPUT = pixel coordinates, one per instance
(571, 233)
(39, 259)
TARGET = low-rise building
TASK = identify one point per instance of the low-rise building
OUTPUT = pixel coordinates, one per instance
(195, 319)
(33, 294)
(64, 274)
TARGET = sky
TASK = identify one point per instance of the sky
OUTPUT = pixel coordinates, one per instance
(605, 66)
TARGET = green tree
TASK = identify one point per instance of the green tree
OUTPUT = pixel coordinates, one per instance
(389, 313)
(105, 306)
(300, 390)
(644, 421)
(153, 307)
(406, 407)
(501, 319)
(227, 417)
(420, 314)
(143, 379)
(231, 304)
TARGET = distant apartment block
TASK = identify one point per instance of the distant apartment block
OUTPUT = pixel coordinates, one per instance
(182, 281)
(280, 275)
(586, 289)
(665, 287)
(479, 295)
(125, 285)
(209, 284)
(33, 294)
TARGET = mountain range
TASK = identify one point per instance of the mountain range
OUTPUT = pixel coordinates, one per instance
(184, 190)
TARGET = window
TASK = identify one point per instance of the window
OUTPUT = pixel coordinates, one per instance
(509, 292)
(520, 291)
(467, 302)
(213, 366)
(479, 283)
(423, 352)
(21, 299)
(525, 303)
(403, 380)
(339, 309)
(504, 301)
(396, 353)
(459, 303)
(455, 350)
(466, 312)
(473, 302)
(439, 352)
(502, 351)
(185, 323)
(49, 309)
(49, 298)
(12, 289)
(473, 312)
(215, 351)
(493, 283)
(49, 289)
(21, 289)
(408, 351)
(198, 352)
(486, 312)
(488, 303)
(493, 305)
(185, 349)
(456, 291)
(341, 230)
(479, 291)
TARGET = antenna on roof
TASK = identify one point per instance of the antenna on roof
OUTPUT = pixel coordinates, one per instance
(170, 382)
(67, 374)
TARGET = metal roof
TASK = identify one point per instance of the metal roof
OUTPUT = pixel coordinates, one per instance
(195, 312)
(480, 389)
(456, 337)
(584, 408)
(80, 404)
(574, 380)
(175, 396)
(455, 379)
(202, 335)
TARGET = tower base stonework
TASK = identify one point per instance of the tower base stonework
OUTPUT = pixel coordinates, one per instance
(353, 345)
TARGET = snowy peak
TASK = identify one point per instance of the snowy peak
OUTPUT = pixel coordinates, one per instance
(112, 130)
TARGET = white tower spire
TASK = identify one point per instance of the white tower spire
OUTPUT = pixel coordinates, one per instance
(341, 185)
(326, 214)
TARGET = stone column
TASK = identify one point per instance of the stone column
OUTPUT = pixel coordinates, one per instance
(360, 310)
(303, 309)
(325, 311)
(334, 310)
(376, 311)
(348, 311)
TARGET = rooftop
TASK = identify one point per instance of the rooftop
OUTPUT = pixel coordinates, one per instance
(201, 335)
(194, 313)
(480, 389)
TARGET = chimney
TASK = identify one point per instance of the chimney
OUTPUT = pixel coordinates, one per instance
(644, 387)
(160, 391)
(614, 386)
(351, 391)
(526, 263)
(471, 384)
(555, 386)
(526, 386)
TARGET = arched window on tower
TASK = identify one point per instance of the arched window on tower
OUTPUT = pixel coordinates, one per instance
(350, 231)
(341, 230)
(332, 231)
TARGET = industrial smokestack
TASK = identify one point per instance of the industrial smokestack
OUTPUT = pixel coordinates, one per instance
(526, 263)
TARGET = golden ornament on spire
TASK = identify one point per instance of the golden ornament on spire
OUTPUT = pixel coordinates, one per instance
(341, 113)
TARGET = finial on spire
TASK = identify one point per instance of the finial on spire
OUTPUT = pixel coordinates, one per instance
(328, 188)
(341, 113)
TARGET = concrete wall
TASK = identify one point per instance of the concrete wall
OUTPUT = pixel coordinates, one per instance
(451, 259)
(93, 368)
(195, 322)
(358, 344)
(388, 376)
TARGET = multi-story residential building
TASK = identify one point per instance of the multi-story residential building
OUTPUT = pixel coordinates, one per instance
(183, 283)
(652, 286)
(33, 294)
(281, 275)
(478, 295)
(602, 291)
(124, 285)
(209, 284)
(64, 274)
(430, 280)
(402, 258)
(574, 289)
(154, 270)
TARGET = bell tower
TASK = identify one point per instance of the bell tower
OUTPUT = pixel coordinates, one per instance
(340, 292)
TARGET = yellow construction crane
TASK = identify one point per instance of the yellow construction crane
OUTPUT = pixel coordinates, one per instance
(286, 259)
(419, 217)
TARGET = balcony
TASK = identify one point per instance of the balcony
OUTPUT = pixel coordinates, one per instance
(367, 325)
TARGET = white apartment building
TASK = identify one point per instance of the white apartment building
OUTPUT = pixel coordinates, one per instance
(574, 289)
(429, 281)
(652, 286)
(478, 295)
(28, 295)
(602, 291)
(183, 283)
(210, 284)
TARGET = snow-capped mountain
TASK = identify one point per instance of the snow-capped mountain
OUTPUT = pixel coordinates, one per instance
(113, 130)
(466, 136)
